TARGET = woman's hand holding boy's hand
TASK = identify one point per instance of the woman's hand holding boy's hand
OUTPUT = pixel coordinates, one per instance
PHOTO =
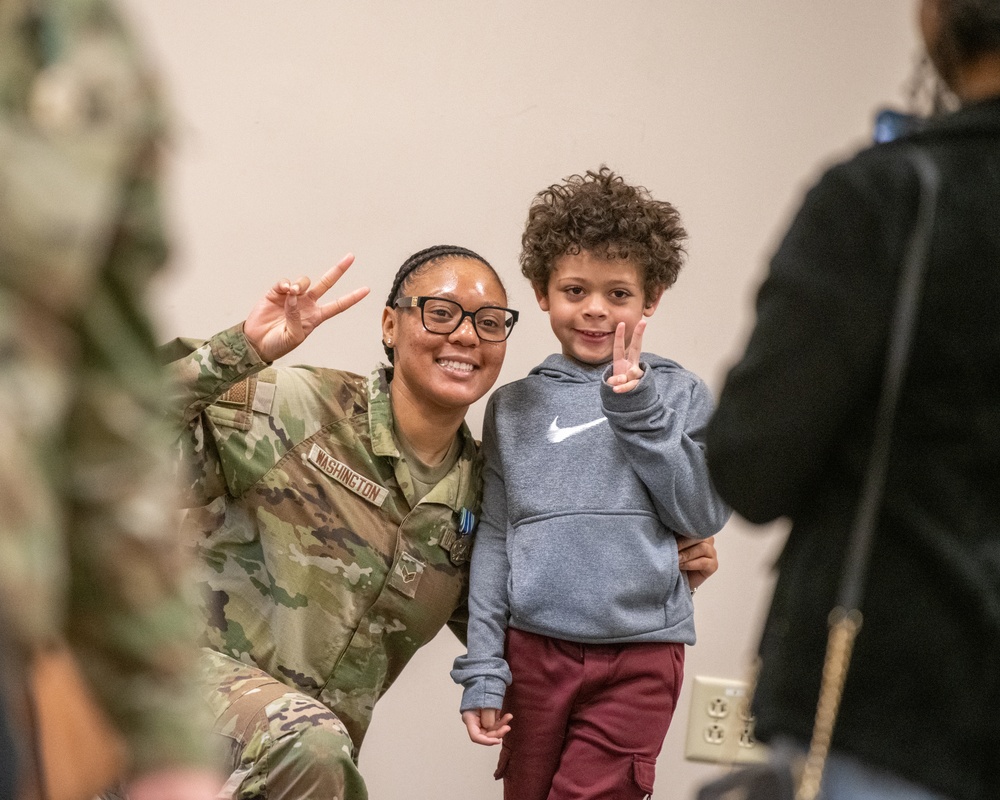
(625, 370)
(484, 727)
(290, 311)
(697, 557)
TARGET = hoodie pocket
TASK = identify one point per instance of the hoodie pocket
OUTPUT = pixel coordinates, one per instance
(592, 576)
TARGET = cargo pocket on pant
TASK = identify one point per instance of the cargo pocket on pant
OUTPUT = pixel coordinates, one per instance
(502, 763)
(644, 773)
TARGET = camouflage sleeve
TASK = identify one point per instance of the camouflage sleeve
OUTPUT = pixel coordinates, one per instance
(80, 238)
(130, 616)
(202, 372)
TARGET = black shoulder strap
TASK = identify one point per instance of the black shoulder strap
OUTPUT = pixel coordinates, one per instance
(846, 618)
(903, 324)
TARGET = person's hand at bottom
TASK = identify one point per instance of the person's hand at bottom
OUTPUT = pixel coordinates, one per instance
(486, 726)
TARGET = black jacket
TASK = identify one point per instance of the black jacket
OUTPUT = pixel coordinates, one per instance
(791, 438)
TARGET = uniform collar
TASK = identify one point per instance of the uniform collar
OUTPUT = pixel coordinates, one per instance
(459, 488)
(380, 413)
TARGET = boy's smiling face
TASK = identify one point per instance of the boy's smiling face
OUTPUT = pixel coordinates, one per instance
(587, 297)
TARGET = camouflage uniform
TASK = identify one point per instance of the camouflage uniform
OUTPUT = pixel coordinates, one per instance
(322, 569)
(87, 548)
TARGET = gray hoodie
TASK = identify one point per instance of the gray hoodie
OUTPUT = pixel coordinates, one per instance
(584, 490)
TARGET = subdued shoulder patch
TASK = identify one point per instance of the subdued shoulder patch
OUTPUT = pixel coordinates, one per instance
(234, 407)
(240, 394)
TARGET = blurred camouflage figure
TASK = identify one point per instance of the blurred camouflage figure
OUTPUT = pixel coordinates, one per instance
(332, 552)
(87, 549)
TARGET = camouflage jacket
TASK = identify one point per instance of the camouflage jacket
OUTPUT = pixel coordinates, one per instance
(88, 549)
(321, 568)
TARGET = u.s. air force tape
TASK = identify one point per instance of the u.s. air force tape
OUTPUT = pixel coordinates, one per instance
(344, 475)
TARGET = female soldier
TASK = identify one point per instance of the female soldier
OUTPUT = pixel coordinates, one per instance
(334, 514)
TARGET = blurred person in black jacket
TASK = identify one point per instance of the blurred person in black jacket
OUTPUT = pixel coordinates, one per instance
(793, 431)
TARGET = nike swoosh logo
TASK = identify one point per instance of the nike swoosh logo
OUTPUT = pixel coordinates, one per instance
(557, 434)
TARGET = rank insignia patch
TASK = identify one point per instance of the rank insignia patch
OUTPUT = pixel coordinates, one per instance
(406, 576)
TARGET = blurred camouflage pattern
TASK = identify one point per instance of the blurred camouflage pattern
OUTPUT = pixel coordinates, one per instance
(282, 743)
(87, 546)
(321, 568)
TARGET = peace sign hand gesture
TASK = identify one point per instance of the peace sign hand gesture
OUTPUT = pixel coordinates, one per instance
(625, 370)
(290, 311)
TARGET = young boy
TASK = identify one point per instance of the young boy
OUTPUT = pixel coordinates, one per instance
(595, 467)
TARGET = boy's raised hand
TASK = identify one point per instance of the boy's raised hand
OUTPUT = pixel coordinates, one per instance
(625, 370)
(484, 727)
(290, 311)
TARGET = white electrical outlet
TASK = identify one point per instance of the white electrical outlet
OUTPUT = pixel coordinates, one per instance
(720, 727)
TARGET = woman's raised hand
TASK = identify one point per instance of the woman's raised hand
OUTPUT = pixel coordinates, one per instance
(291, 310)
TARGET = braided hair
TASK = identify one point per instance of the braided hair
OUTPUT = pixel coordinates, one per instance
(425, 258)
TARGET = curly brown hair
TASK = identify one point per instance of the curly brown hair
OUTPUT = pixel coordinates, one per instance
(600, 213)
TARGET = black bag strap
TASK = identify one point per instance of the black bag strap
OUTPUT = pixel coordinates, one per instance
(903, 324)
(846, 617)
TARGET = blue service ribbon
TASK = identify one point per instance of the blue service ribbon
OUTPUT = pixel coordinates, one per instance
(466, 522)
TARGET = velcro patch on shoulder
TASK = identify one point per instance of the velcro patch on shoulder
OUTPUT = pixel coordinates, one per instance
(263, 397)
(233, 408)
(239, 394)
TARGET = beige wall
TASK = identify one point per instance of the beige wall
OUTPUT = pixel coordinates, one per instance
(308, 128)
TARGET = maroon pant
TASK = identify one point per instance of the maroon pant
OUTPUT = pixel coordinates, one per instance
(589, 719)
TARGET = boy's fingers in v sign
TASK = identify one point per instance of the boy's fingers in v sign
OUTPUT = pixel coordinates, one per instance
(626, 371)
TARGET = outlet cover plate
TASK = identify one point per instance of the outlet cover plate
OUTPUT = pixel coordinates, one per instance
(720, 728)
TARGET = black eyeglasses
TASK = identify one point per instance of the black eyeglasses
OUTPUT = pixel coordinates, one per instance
(492, 323)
